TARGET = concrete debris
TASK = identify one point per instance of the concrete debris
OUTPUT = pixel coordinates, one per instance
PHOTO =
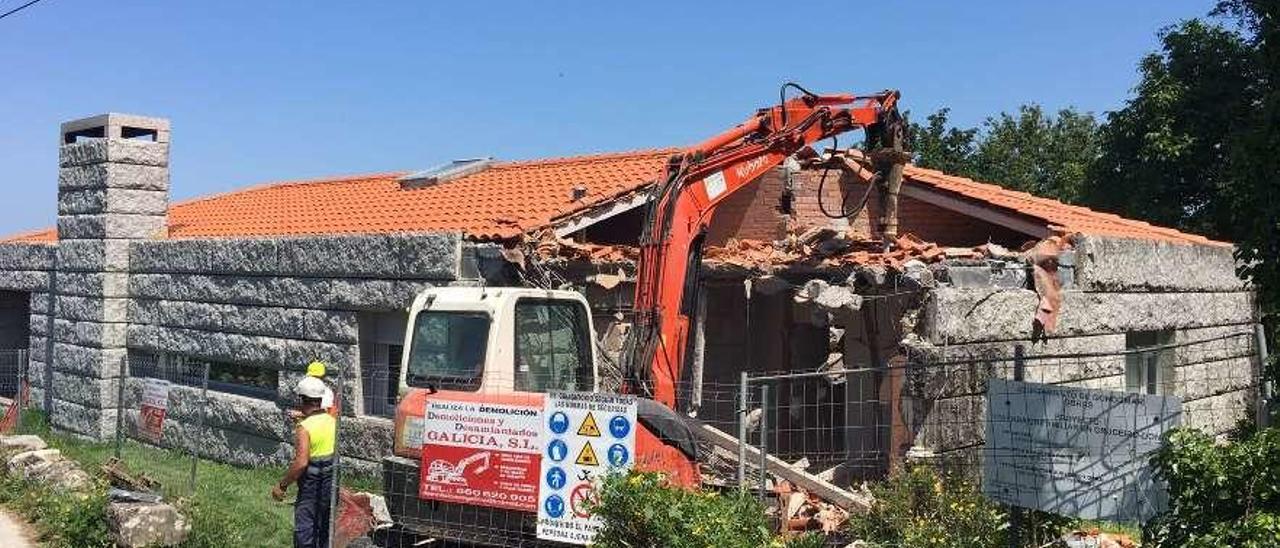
(547, 247)
(48, 467)
(800, 510)
(138, 524)
(119, 475)
(20, 444)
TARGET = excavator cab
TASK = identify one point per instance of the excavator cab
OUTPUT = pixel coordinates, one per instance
(486, 343)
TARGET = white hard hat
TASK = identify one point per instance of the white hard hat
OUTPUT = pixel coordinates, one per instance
(311, 387)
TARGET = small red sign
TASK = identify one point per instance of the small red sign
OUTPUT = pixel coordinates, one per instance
(155, 403)
(152, 423)
(482, 477)
(583, 496)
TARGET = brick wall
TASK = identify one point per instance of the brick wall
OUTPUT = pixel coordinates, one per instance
(757, 213)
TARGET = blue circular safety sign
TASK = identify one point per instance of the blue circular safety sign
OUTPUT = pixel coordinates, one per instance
(556, 477)
(619, 426)
(559, 422)
(618, 455)
(554, 505)
(557, 450)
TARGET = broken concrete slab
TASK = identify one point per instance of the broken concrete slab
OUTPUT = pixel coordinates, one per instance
(21, 443)
(140, 524)
(1120, 264)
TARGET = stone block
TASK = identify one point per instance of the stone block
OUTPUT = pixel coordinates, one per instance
(1120, 264)
(25, 256)
(113, 175)
(40, 303)
(120, 151)
(37, 397)
(1219, 414)
(293, 323)
(141, 524)
(368, 438)
(975, 315)
(257, 417)
(423, 257)
(948, 424)
(94, 423)
(940, 371)
(111, 225)
(93, 284)
(24, 280)
(95, 393)
(275, 353)
(39, 345)
(93, 309)
(96, 201)
(98, 363)
(93, 255)
(91, 334)
(318, 293)
(38, 325)
(220, 444)
(35, 372)
(22, 443)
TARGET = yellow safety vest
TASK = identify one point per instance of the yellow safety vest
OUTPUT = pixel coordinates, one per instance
(321, 429)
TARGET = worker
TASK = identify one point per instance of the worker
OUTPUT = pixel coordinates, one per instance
(317, 369)
(311, 468)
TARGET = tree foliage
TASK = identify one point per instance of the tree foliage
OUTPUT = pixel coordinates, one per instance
(1030, 150)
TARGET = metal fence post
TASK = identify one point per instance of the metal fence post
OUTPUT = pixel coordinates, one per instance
(1015, 513)
(339, 399)
(204, 404)
(24, 391)
(120, 380)
(743, 402)
(764, 439)
(1264, 384)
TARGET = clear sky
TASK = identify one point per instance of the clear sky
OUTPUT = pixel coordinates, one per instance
(261, 91)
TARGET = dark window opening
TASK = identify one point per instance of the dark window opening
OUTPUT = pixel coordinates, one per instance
(138, 133)
(447, 351)
(85, 134)
(553, 349)
(244, 380)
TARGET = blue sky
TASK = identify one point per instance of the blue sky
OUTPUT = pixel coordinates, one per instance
(261, 91)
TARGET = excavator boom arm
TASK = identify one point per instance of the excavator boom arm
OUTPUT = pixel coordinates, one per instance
(696, 181)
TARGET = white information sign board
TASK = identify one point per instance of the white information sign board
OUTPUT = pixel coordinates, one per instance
(1075, 451)
(584, 437)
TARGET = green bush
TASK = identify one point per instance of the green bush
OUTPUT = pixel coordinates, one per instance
(70, 520)
(1220, 494)
(642, 510)
(920, 508)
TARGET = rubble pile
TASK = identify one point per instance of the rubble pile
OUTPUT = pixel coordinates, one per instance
(827, 248)
(799, 510)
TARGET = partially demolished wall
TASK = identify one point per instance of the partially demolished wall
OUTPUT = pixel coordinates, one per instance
(967, 334)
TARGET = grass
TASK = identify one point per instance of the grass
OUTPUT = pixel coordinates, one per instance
(231, 506)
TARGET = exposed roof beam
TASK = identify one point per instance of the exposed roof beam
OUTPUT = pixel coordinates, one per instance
(595, 215)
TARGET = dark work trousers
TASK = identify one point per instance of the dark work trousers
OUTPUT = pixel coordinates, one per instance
(311, 511)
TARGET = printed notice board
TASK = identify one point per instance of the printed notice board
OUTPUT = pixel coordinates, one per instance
(482, 454)
(584, 437)
(155, 404)
(1075, 451)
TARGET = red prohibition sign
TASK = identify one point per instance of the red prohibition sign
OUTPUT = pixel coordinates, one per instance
(579, 497)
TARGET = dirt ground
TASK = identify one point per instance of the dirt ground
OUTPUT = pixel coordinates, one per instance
(14, 533)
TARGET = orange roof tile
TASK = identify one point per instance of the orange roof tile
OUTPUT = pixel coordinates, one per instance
(510, 198)
(1069, 217)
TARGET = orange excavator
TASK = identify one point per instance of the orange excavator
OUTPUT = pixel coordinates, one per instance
(471, 345)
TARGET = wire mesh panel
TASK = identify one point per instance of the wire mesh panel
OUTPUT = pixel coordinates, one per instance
(1074, 430)
(163, 402)
(14, 388)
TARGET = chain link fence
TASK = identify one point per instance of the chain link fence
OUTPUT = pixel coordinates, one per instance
(15, 388)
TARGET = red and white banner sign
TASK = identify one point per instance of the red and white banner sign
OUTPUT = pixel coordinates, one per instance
(155, 403)
(482, 454)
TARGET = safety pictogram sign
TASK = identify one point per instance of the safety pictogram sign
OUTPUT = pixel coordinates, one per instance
(589, 426)
(586, 435)
(587, 456)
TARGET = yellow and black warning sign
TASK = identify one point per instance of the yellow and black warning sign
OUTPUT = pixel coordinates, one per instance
(589, 426)
(587, 456)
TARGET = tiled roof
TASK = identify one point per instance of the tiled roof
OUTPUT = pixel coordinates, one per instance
(1054, 213)
(510, 198)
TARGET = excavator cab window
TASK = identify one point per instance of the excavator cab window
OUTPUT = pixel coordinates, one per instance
(447, 351)
(553, 349)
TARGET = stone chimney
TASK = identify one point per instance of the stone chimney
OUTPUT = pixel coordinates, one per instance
(113, 188)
